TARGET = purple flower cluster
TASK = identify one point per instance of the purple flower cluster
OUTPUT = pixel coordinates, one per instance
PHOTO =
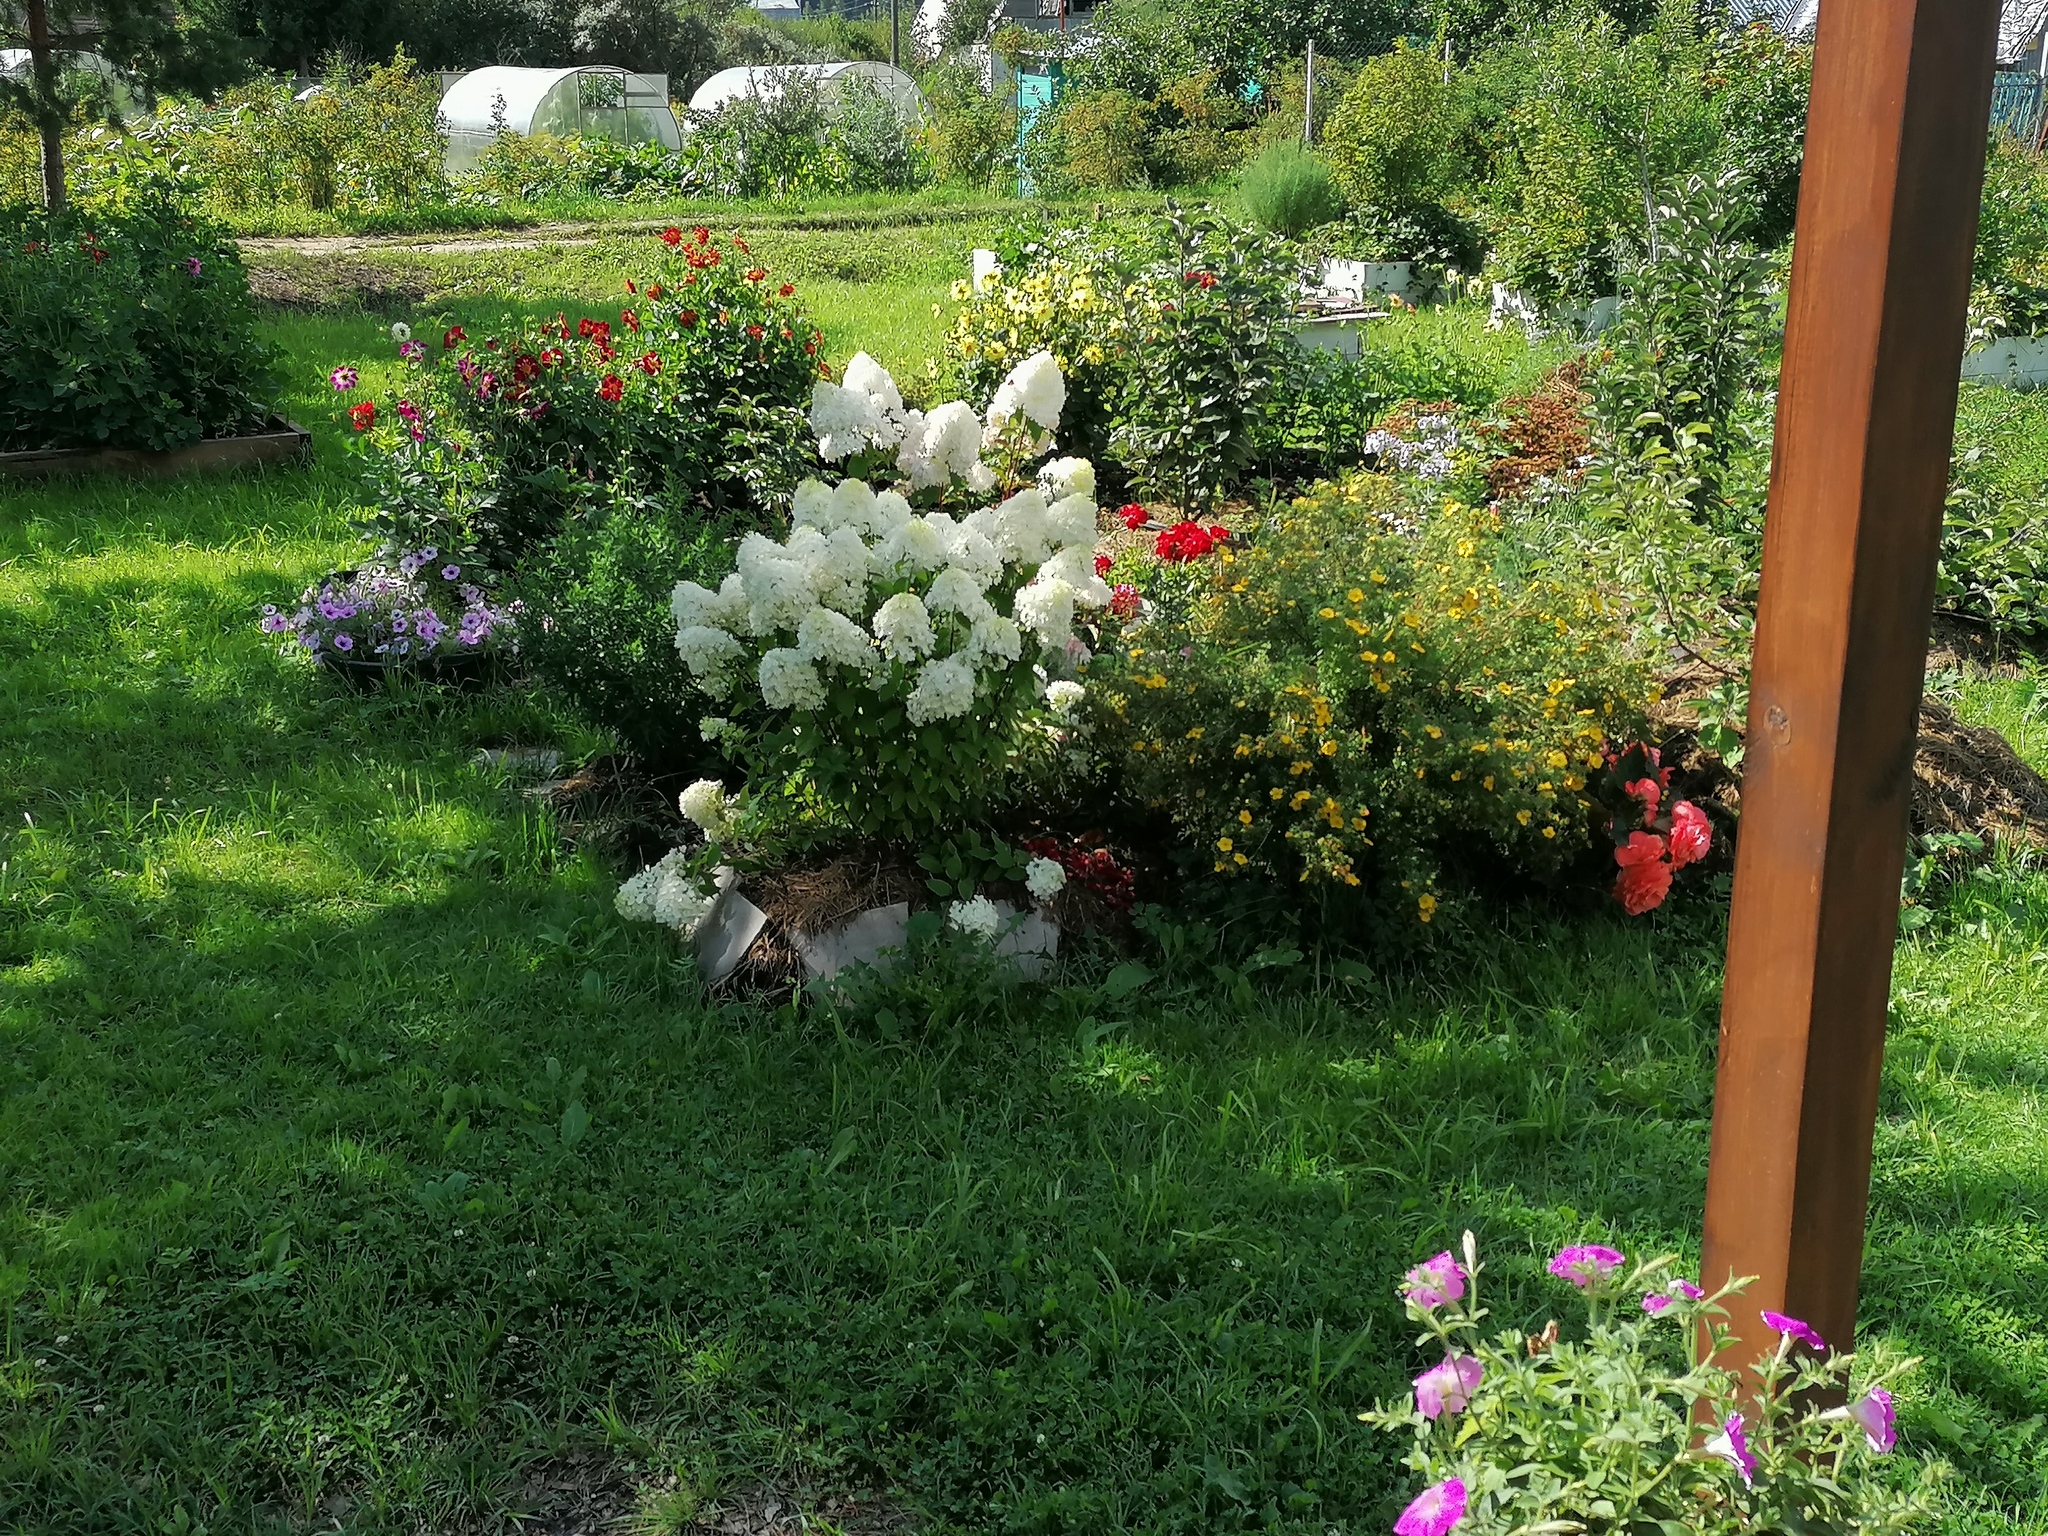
(409, 611)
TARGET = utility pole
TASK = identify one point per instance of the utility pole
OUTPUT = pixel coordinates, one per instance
(895, 42)
(1308, 98)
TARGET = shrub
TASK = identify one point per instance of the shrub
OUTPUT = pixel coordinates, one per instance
(492, 444)
(884, 660)
(1994, 543)
(973, 137)
(1392, 143)
(1289, 191)
(130, 329)
(785, 142)
(1365, 691)
(1757, 82)
(1198, 130)
(1542, 1432)
(1104, 138)
(2010, 276)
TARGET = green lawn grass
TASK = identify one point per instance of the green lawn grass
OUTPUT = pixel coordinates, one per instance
(360, 1166)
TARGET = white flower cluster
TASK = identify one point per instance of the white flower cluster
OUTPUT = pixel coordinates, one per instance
(663, 893)
(976, 915)
(705, 802)
(1044, 878)
(809, 606)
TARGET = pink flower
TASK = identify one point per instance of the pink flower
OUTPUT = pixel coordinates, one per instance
(1436, 1510)
(1645, 878)
(1687, 1289)
(1732, 1445)
(1879, 1421)
(343, 379)
(1447, 1388)
(1435, 1281)
(1657, 1301)
(1792, 1328)
(1648, 792)
(193, 265)
(1124, 601)
(1584, 1263)
(1691, 834)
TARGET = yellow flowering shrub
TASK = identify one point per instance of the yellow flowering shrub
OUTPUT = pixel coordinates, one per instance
(1056, 306)
(1367, 694)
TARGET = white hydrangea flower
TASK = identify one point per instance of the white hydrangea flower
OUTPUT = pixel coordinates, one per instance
(994, 636)
(705, 803)
(778, 588)
(789, 682)
(833, 638)
(976, 915)
(1064, 697)
(706, 651)
(1046, 608)
(956, 591)
(400, 331)
(1034, 390)
(838, 570)
(1068, 477)
(1044, 879)
(952, 438)
(635, 901)
(912, 546)
(890, 512)
(712, 727)
(1020, 531)
(1075, 565)
(681, 904)
(873, 380)
(969, 549)
(812, 506)
(981, 479)
(904, 628)
(693, 605)
(944, 691)
(844, 421)
(1070, 521)
(914, 459)
(853, 506)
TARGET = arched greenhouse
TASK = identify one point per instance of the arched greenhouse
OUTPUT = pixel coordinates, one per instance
(730, 85)
(597, 101)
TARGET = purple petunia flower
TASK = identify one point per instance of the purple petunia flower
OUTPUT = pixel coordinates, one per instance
(1732, 1445)
(412, 351)
(451, 573)
(1436, 1510)
(1686, 1289)
(193, 265)
(1792, 1328)
(1656, 1302)
(343, 379)
(344, 642)
(1448, 1387)
(1585, 1263)
(1878, 1419)
(1435, 1281)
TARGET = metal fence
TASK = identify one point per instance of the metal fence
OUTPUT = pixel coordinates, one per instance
(2016, 105)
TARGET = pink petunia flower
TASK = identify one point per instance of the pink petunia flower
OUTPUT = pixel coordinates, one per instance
(1435, 1281)
(1657, 1301)
(1448, 1387)
(1732, 1446)
(1792, 1328)
(1878, 1419)
(1584, 1263)
(343, 379)
(1436, 1510)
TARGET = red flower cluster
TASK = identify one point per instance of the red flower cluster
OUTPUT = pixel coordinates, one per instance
(671, 237)
(1653, 839)
(453, 337)
(1199, 279)
(1189, 541)
(687, 319)
(1133, 515)
(611, 387)
(755, 274)
(599, 331)
(649, 364)
(1102, 565)
(1124, 601)
(786, 290)
(629, 320)
(1095, 869)
(363, 416)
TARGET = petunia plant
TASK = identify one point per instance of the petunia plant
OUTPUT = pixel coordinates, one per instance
(1640, 1425)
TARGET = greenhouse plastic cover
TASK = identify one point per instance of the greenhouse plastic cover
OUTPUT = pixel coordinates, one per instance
(551, 101)
(765, 79)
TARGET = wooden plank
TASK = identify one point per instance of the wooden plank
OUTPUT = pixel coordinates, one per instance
(285, 443)
(1866, 414)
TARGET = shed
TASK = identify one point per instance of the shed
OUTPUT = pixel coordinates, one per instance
(597, 101)
(730, 85)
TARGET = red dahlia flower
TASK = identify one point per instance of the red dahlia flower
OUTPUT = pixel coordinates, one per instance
(704, 235)
(649, 364)
(672, 237)
(453, 337)
(363, 416)
(611, 387)
(1102, 565)
(1132, 514)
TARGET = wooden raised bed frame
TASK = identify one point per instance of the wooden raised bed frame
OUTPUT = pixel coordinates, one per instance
(284, 442)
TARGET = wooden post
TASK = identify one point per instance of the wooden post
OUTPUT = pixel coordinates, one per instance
(1866, 414)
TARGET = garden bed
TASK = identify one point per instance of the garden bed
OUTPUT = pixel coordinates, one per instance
(282, 442)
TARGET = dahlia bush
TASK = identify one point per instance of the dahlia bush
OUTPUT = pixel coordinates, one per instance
(1639, 1425)
(1362, 691)
(889, 653)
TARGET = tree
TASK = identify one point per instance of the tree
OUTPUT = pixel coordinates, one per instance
(148, 45)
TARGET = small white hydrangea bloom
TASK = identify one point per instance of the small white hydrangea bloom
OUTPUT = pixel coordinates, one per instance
(955, 591)
(1046, 608)
(706, 651)
(904, 628)
(789, 682)
(812, 506)
(994, 636)
(1070, 522)
(944, 691)
(1064, 697)
(1034, 390)
(1075, 565)
(663, 893)
(952, 439)
(1063, 478)
(693, 605)
(833, 638)
(1044, 878)
(976, 915)
(704, 803)
(911, 547)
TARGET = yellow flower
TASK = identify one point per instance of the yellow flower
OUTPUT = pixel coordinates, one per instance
(1426, 906)
(1379, 578)
(1225, 844)
(1522, 817)
(1487, 783)
(1092, 355)
(1245, 817)
(1354, 596)
(962, 289)
(1196, 733)
(1550, 831)
(1433, 732)
(1278, 793)
(1240, 858)
(1329, 749)
(1327, 613)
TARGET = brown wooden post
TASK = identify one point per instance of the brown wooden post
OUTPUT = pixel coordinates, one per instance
(1866, 415)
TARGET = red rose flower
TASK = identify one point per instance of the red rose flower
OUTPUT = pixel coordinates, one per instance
(687, 319)
(1691, 834)
(611, 387)
(672, 237)
(453, 337)
(1132, 514)
(1645, 878)
(1102, 565)
(649, 364)
(363, 416)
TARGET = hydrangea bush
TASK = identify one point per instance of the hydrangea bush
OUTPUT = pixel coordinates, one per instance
(888, 651)
(1639, 1425)
(1363, 690)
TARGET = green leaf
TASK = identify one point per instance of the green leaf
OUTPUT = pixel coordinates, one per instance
(575, 1123)
(1125, 979)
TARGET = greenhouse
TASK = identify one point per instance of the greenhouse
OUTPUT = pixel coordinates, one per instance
(730, 85)
(594, 101)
